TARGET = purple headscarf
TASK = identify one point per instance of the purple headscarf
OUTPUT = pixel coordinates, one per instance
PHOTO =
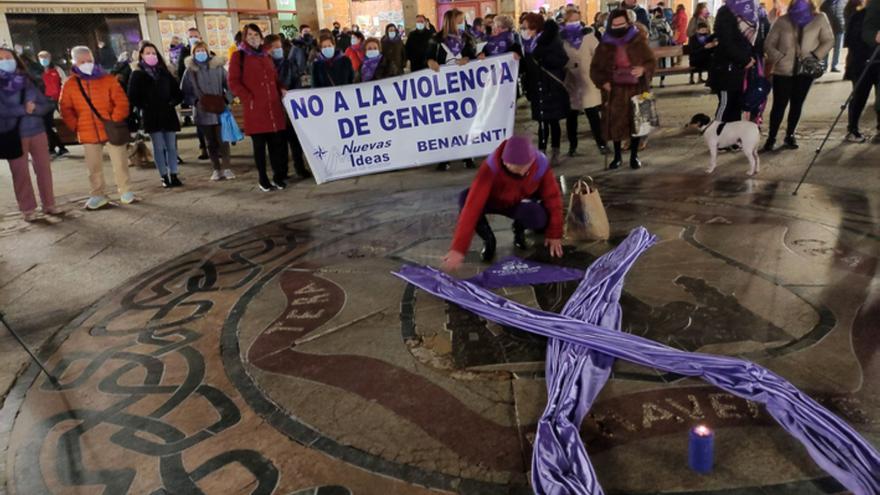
(800, 13)
(12, 82)
(574, 35)
(368, 68)
(614, 40)
(97, 73)
(499, 43)
(744, 9)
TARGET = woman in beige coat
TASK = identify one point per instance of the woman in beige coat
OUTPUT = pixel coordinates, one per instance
(580, 44)
(802, 33)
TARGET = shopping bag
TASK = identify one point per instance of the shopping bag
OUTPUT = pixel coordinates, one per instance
(645, 116)
(229, 131)
(586, 219)
(139, 154)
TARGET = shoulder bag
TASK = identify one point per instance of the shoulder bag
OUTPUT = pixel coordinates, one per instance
(10, 141)
(117, 132)
(210, 103)
(809, 66)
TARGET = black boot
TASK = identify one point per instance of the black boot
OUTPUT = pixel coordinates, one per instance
(166, 181)
(791, 142)
(634, 162)
(519, 236)
(484, 230)
(618, 150)
(769, 145)
(175, 181)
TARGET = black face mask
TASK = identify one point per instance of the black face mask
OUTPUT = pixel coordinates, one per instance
(619, 32)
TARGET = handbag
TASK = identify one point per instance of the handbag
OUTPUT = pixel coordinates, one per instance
(809, 66)
(10, 141)
(210, 103)
(586, 219)
(645, 115)
(117, 132)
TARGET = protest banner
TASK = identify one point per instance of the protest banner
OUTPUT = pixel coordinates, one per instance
(462, 111)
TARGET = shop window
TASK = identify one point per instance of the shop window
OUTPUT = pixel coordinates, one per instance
(173, 28)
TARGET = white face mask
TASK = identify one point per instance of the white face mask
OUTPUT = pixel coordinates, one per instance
(86, 67)
(392, 35)
(573, 23)
(525, 34)
(355, 42)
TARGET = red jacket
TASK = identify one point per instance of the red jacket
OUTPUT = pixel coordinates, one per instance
(257, 87)
(52, 81)
(499, 190)
(356, 55)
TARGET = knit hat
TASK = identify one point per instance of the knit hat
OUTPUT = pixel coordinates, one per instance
(518, 150)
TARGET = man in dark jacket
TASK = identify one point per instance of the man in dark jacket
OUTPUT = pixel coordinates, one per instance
(193, 37)
(417, 44)
(834, 10)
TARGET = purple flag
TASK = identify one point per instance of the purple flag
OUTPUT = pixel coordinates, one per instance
(513, 272)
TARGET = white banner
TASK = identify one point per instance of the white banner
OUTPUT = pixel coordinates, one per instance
(407, 121)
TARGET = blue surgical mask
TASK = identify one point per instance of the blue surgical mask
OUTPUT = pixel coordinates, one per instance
(461, 26)
(420, 25)
(45, 62)
(372, 53)
(277, 53)
(328, 52)
(392, 35)
(525, 34)
(193, 41)
(7, 65)
(201, 57)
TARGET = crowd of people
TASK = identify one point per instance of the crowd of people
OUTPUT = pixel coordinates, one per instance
(568, 69)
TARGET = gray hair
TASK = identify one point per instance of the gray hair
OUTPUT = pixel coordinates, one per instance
(79, 50)
(504, 21)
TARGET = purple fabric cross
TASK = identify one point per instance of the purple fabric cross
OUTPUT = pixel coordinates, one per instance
(834, 445)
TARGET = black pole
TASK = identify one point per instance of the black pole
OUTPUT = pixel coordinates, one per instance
(25, 347)
(843, 107)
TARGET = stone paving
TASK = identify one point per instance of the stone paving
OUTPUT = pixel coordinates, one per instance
(215, 339)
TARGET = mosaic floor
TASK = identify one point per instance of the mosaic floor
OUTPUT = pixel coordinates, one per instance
(285, 359)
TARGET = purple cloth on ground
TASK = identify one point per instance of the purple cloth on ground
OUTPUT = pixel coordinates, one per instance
(833, 444)
(576, 375)
(515, 272)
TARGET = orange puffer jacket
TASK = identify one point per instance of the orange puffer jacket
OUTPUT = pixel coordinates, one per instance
(107, 96)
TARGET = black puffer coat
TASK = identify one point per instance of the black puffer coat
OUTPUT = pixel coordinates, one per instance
(731, 56)
(156, 98)
(543, 74)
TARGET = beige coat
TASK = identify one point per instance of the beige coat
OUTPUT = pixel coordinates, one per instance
(782, 43)
(581, 90)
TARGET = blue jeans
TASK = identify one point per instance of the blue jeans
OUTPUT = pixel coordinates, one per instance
(835, 52)
(165, 151)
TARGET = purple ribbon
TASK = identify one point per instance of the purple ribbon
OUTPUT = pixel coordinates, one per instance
(833, 444)
(513, 272)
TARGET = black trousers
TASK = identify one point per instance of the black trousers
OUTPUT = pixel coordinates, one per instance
(787, 90)
(201, 135)
(217, 149)
(49, 124)
(860, 101)
(730, 106)
(551, 129)
(277, 144)
(633, 148)
(595, 120)
(296, 150)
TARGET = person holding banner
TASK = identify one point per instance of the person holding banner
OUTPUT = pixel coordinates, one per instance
(543, 70)
(253, 79)
(515, 181)
(452, 45)
(622, 66)
(331, 68)
(580, 45)
(393, 51)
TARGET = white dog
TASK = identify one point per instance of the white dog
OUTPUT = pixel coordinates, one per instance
(743, 133)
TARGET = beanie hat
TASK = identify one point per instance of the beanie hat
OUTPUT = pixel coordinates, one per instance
(518, 150)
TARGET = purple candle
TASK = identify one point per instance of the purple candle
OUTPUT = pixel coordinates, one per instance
(701, 449)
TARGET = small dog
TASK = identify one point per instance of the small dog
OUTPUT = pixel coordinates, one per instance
(744, 133)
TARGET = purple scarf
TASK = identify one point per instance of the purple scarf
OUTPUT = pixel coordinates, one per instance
(574, 35)
(336, 56)
(744, 9)
(499, 43)
(368, 68)
(454, 42)
(800, 13)
(250, 50)
(152, 71)
(12, 82)
(478, 35)
(97, 73)
(614, 40)
(530, 45)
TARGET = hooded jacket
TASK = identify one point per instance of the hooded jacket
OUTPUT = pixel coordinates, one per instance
(12, 109)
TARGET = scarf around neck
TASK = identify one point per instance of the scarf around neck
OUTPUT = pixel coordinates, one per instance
(97, 73)
(454, 42)
(499, 43)
(530, 45)
(574, 35)
(368, 68)
(614, 40)
(248, 49)
(151, 71)
(12, 82)
(800, 13)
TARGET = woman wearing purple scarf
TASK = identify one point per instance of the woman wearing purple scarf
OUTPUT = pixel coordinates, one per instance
(156, 92)
(801, 34)
(22, 107)
(502, 40)
(451, 45)
(375, 65)
(580, 46)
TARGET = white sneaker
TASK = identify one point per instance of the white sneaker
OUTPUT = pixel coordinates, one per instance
(96, 202)
(127, 198)
(216, 175)
(856, 137)
(228, 175)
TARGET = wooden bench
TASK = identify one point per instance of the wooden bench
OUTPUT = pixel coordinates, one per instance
(674, 51)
